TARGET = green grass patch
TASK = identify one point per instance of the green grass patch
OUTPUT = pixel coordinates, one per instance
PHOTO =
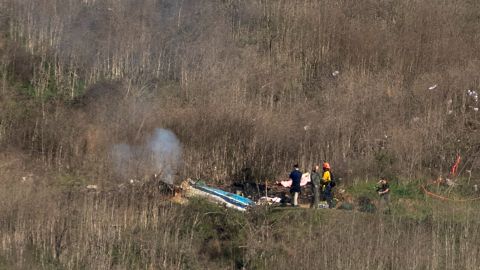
(363, 189)
(368, 189)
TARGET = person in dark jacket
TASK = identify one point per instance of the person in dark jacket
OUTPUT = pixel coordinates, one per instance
(328, 193)
(315, 181)
(383, 189)
(296, 177)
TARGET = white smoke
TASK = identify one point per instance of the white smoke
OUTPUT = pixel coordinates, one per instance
(167, 153)
(161, 155)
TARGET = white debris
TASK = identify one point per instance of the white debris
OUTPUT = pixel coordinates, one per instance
(269, 200)
(450, 182)
(94, 187)
(449, 102)
(432, 87)
(27, 179)
(449, 112)
(335, 73)
(473, 94)
(307, 127)
(416, 119)
(323, 205)
(135, 182)
(475, 109)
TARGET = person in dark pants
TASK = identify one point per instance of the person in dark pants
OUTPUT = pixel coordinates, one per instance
(315, 181)
(383, 189)
(296, 177)
(326, 178)
(328, 193)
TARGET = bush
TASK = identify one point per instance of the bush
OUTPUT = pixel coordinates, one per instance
(366, 205)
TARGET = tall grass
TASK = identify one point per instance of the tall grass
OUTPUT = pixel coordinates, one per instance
(137, 228)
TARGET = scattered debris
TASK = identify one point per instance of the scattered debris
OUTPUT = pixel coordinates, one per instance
(269, 200)
(335, 73)
(449, 182)
(323, 205)
(134, 181)
(27, 179)
(230, 200)
(305, 180)
(454, 168)
(307, 127)
(92, 187)
(449, 106)
(473, 94)
(432, 87)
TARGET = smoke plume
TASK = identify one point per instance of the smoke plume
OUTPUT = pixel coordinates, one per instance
(160, 155)
(166, 151)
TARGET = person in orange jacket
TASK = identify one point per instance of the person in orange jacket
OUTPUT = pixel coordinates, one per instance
(326, 178)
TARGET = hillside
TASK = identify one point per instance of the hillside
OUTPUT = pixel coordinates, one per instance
(112, 94)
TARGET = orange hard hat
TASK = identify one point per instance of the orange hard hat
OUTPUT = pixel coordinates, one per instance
(326, 165)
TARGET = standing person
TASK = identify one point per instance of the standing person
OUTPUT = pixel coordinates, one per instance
(328, 193)
(315, 181)
(326, 177)
(383, 189)
(296, 177)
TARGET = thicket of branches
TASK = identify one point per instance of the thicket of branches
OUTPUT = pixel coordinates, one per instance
(242, 83)
(374, 87)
